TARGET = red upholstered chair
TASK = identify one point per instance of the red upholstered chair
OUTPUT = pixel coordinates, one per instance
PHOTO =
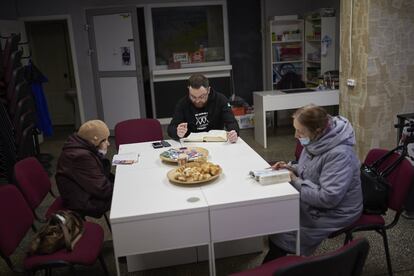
(137, 130)
(15, 222)
(345, 261)
(298, 149)
(400, 179)
(34, 183)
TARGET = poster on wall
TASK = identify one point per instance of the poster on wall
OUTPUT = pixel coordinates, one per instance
(126, 55)
(181, 57)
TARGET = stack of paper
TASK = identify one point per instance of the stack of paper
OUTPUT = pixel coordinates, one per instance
(125, 158)
(270, 176)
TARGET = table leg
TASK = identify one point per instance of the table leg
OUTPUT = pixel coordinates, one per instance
(260, 126)
(117, 266)
(211, 259)
(298, 242)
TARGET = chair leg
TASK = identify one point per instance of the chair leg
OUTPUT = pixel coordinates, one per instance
(107, 222)
(348, 237)
(383, 233)
(72, 270)
(102, 261)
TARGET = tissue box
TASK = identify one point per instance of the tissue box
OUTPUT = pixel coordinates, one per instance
(269, 176)
(245, 121)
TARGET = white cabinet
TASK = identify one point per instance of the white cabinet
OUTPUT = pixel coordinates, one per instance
(287, 47)
(319, 47)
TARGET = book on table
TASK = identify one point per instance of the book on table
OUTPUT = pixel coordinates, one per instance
(214, 135)
(125, 158)
(270, 176)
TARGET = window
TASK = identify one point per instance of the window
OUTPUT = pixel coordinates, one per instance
(188, 36)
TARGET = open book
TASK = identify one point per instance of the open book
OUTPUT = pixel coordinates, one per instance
(125, 158)
(270, 176)
(213, 135)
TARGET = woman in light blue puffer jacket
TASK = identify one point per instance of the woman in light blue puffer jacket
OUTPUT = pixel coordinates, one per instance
(327, 177)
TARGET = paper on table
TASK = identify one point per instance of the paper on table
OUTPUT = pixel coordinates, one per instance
(214, 135)
(125, 158)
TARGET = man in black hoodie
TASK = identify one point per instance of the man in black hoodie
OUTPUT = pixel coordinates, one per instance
(202, 110)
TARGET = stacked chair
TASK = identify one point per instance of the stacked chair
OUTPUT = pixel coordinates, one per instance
(18, 117)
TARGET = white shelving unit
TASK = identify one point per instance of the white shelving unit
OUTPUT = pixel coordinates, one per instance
(286, 46)
(320, 48)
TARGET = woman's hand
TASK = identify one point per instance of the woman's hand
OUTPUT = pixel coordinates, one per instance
(293, 176)
(280, 165)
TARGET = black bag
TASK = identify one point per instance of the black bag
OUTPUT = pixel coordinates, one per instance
(289, 78)
(375, 187)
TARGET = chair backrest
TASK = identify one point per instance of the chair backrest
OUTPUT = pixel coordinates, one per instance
(16, 219)
(33, 181)
(400, 179)
(298, 149)
(346, 261)
(137, 130)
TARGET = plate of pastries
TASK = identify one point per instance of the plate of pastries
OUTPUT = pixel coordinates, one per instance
(191, 154)
(194, 173)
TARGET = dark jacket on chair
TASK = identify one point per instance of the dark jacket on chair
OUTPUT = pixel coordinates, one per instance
(83, 178)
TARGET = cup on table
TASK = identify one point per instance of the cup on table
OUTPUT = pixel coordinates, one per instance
(182, 159)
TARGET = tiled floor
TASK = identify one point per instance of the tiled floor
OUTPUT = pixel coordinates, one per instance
(281, 147)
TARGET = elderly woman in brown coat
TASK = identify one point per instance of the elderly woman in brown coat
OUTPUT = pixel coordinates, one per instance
(83, 173)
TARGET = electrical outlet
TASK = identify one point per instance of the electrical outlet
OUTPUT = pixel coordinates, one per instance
(351, 82)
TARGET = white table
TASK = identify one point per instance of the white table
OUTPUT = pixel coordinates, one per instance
(264, 101)
(150, 214)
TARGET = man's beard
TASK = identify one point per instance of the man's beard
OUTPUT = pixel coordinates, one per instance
(200, 105)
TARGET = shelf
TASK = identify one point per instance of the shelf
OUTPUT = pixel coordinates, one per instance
(287, 41)
(313, 61)
(313, 19)
(287, 47)
(288, 61)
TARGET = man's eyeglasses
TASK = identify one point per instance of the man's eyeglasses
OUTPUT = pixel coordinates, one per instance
(201, 97)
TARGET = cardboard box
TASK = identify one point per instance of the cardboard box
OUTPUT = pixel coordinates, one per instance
(238, 111)
(245, 121)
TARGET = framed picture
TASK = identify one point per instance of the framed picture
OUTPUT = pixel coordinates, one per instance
(181, 57)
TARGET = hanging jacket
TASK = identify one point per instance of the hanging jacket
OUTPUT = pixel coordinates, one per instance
(36, 79)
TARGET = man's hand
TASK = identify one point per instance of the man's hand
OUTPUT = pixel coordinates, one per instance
(232, 136)
(182, 130)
